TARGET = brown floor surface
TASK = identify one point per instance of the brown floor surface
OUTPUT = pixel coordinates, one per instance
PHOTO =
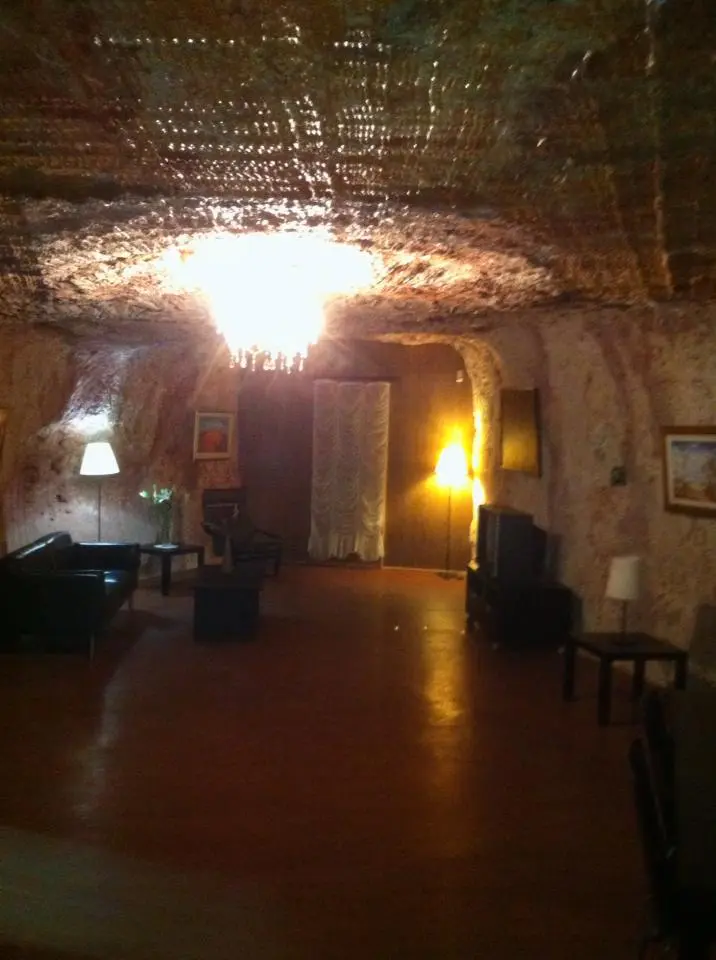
(361, 780)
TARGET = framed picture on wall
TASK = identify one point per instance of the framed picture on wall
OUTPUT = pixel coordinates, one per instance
(689, 455)
(519, 431)
(214, 436)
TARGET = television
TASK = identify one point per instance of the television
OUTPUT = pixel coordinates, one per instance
(508, 544)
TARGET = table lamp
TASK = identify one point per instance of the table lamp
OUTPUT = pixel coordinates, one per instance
(99, 461)
(623, 585)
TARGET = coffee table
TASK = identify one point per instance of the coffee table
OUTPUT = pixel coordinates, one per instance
(636, 648)
(165, 552)
(226, 604)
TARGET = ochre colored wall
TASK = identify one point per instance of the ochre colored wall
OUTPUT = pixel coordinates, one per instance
(427, 404)
(607, 387)
(54, 393)
(151, 395)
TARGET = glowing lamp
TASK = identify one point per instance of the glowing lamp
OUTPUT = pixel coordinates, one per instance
(451, 469)
(266, 293)
(99, 461)
(451, 472)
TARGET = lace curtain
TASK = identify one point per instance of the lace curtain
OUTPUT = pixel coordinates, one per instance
(350, 465)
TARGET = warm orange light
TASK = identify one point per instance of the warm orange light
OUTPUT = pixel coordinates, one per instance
(451, 469)
(478, 490)
(267, 292)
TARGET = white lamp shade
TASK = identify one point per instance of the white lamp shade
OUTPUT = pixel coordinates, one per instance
(623, 580)
(451, 469)
(99, 460)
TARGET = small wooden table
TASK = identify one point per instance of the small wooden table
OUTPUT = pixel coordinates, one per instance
(165, 552)
(226, 604)
(637, 648)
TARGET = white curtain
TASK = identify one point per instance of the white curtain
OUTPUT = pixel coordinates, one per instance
(350, 465)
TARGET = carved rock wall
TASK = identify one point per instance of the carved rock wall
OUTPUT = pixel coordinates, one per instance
(142, 399)
(606, 390)
(607, 386)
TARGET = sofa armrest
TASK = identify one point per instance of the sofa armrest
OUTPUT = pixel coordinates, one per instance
(105, 556)
(60, 602)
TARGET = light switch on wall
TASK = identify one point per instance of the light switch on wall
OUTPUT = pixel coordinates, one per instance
(617, 477)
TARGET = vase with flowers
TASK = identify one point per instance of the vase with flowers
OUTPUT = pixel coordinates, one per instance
(160, 504)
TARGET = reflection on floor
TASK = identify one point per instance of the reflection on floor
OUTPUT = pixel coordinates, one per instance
(361, 780)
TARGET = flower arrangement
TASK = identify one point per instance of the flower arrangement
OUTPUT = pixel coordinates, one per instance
(160, 502)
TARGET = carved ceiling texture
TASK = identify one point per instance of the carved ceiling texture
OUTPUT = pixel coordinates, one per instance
(496, 155)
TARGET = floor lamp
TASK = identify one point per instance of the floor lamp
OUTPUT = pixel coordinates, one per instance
(99, 461)
(452, 473)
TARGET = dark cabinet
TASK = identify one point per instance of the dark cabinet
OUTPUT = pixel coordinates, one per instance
(528, 613)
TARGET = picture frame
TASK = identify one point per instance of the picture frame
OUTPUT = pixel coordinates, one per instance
(214, 435)
(689, 469)
(520, 447)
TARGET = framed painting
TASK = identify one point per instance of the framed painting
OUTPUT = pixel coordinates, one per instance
(214, 436)
(690, 470)
(519, 431)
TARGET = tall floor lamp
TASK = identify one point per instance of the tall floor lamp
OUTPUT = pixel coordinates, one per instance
(99, 461)
(451, 472)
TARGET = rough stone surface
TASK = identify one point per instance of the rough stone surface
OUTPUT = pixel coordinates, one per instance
(98, 266)
(537, 182)
(607, 386)
(593, 126)
(143, 399)
(606, 390)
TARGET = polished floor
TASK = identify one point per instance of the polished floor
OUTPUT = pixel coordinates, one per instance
(361, 780)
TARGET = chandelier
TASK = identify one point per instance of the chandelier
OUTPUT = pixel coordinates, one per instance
(266, 293)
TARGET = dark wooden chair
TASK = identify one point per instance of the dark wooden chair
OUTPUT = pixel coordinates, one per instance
(227, 520)
(660, 750)
(222, 503)
(658, 852)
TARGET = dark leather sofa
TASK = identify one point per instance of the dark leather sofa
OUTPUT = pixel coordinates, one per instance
(65, 592)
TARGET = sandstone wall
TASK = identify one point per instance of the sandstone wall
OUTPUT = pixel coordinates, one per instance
(142, 399)
(606, 389)
(607, 386)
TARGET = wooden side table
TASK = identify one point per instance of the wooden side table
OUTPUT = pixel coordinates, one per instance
(636, 648)
(165, 552)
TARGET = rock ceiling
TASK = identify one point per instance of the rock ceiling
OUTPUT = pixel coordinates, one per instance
(494, 157)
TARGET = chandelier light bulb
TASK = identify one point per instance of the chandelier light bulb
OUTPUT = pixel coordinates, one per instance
(266, 293)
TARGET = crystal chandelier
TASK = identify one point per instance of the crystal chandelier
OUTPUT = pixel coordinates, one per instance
(266, 293)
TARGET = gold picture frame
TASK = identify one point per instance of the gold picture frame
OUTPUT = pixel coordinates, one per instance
(689, 468)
